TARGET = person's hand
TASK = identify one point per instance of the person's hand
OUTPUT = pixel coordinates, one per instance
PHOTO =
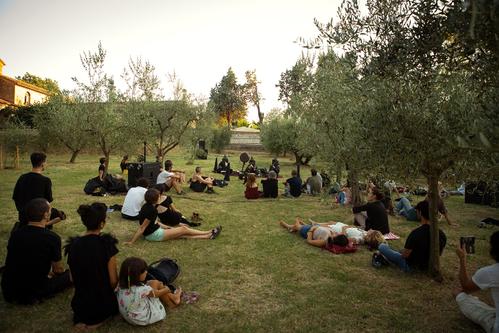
(127, 243)
(461, 252)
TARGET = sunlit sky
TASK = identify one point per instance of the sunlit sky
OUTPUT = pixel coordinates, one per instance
(199, 40)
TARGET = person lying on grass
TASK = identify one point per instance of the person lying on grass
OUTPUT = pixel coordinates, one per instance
(315, 235)
(155, 231)
(92, 263)
(143, 302)
(168, 214)
(371, 238)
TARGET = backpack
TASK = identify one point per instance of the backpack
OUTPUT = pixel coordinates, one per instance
(94, 186)
(165, 270)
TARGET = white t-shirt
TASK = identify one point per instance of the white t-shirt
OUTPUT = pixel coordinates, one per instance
(163, 176)
(488, 278)
(134, 201)
(354, 233)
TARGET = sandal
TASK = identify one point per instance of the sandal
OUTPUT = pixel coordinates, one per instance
(189, 297)
(215, 232)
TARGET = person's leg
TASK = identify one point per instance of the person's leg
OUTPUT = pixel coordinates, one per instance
(291, 227)
(403, 206)
(341, 198)
(393, 256)
(178, 232)
(360, 219)
(477, 311)
(57, 284)
(169, 299)
(176, 185)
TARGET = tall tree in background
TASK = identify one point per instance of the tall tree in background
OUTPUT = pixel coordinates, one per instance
(48, 84)
(252, 94)
(142, 82)
(227, 99)
(110, 123)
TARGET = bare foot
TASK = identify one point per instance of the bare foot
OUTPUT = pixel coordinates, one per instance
(456, 291)
(80, 327)
(177, 295)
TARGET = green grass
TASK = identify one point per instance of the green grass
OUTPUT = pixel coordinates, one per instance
(256, 277)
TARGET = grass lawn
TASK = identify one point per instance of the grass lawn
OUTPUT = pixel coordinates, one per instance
(256, 276)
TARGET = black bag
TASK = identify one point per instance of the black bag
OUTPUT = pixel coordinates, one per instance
(94, 186)
(165, 270)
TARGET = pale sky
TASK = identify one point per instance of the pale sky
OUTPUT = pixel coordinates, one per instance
(199, 40)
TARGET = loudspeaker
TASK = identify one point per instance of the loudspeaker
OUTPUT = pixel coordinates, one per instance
(149, 171)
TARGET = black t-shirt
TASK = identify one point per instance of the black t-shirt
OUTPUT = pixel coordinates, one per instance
(148, 211)
(30, 254)
(419, 242)
(88, 257)
(167, 202)
(29, 186)
(377, 218)
(294, 186)
(270, 188)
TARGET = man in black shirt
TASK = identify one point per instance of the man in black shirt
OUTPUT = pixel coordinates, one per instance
(293, 185)
(33, 185)
(34, 254)
(416, 252)
(375, 217)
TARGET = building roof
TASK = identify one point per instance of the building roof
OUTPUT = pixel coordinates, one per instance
(26, 85)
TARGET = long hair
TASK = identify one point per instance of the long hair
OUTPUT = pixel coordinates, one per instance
(130, 272)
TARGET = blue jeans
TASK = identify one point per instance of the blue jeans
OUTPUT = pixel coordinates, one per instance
(341, 198)
(405, 209)
(394, 257)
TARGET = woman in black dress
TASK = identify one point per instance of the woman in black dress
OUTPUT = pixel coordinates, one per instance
(168, 214)
(92, 262)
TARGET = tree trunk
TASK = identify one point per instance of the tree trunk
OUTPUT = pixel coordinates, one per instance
(354, 188)
(2, 166)
(433, 194)
(260, 114)
(16, 158)
(73, 156)
(338, 174)
(107, 154)
(227, 115)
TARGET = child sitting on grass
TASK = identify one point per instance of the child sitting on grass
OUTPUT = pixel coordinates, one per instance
(140, 302)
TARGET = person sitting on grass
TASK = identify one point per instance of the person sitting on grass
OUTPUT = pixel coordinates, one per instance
(170, 178)
(313, 183)
(168, 214)
(270, 185)
(416, 252)
(92, 263)
(315, 235)
(251, 191)
(33, 267)
(344, 196)
(405, 209)
(124, 164)
(199, 182)
(485, 278)
(134, 200)
(375, 216)
(33, 185)
(155, 231)
(143, 303)
(293, 185)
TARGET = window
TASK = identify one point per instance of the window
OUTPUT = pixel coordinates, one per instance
(27, 98)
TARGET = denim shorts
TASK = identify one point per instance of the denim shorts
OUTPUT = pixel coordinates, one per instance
(156, 236)
(304, 229)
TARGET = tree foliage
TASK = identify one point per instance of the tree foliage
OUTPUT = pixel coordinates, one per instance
(227, 99)
(48, 84)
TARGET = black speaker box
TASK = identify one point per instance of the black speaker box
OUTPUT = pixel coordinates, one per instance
(149, 171)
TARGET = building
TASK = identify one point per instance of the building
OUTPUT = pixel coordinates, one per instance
(15, 92)
(244, 138)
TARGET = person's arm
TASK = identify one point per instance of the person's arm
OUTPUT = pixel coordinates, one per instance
(359, 209)
(53, 221)
(48, 191)
(406, 253)
(447, 218)
(57, 267)
(139, 232)
(156, 293)
(466, 282)
(112, 268)
(316, 242)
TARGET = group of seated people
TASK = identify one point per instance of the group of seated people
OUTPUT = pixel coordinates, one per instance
(169, 178)
(34, 270)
